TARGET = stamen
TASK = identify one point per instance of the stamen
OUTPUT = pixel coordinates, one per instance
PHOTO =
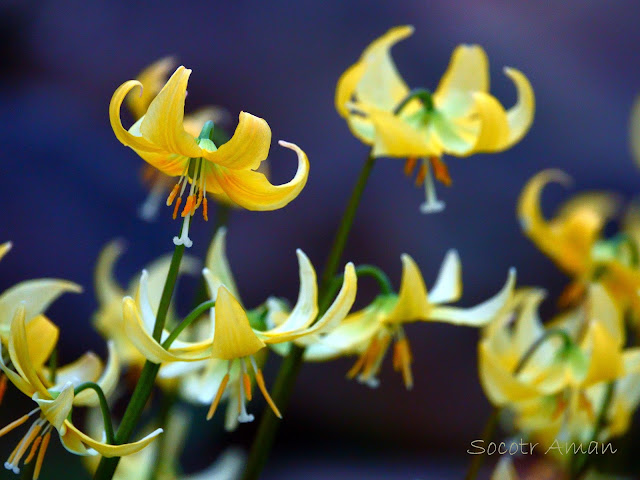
(184, 235)
(17, 454)
(205, 209)
(263, 388)
(422, 173)
(175, 209)
(216, 400)
(13, 425)
(402, 360)
(432, 204)
(3, 386)
(410, 165)
(374, 360)
(188, 206)
(243, 417)
(441, 171)
(246, 380)
(34, 448)
(173, 194)
(43, 449)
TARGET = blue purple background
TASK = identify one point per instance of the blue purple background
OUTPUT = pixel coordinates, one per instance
(69, 186)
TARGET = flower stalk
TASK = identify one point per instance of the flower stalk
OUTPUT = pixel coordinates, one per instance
(290, 367)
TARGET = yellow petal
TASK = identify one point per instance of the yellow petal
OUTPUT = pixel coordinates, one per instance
(493, 134)
(194, 122)
(233, 336)
(253, 191)
(149, 347)
(412, 300)
(4, 249)
(520, 116)
(606, 360)
(19, 382)
(57, 410)
(306, 308)
(137, 142)
(248, 147)
(218, 264)
(107, 381)
(74, 441)
(346, 87)
(162, 124)
(42, 337)
(468, 72)
(35, 295)
(480, 314)
(604, 310)
(107, 289)
(335, 314)
(19, 353)
(448, 285)
(152, 80)
(87, 368)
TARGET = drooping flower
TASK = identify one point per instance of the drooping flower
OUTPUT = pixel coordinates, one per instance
(55, 401)
(369, 332)
(234, 340)
(161, 139)
(460, 118)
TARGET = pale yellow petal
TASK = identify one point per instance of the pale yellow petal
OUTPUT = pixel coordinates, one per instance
(17, 380)
(218, 263)
(520, 116)
(152, 79)
(248, 147)
(233, 336)
(107, 289)
(606, 362)
(253, 191)
(346, 87)
(162, 124)
(480, 314)
(42, 338)
(87, 368)
(493, 125)
(57, 410)
(448, 285)
(74, 438)
(413, 303)
(107, 381)
(4, 249)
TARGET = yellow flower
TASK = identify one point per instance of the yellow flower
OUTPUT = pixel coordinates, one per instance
(460, 118)
(369, 332)
(161, 139)
(108, 318)
(56, 401)
(234, 339)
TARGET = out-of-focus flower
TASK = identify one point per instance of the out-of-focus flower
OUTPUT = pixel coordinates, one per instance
(140, 465)
(234, 339)
(369, 332)
(56, 401)
(460, 118)
(108, 318)
(505, 470)
(161, 139)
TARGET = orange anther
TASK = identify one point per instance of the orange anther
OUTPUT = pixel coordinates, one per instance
(265, 393)
(205, 209)
(402, 359)
(216, 400)
(440, 171)
(40, 459)
(188, 206)
(175, 209)
(173, 194)
(247, 385)
(410, 165)
(422, 173)
(34, 449)
(3, 386)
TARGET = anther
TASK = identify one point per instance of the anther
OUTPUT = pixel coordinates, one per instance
(188, 205)
(440, 171)
(410, 165)
(173, 194)
(422, 173)
(175, 209)
(205, 209)
(216, 400)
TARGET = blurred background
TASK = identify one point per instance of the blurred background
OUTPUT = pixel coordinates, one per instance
(69, 186)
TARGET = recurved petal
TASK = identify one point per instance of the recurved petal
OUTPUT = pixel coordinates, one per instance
(253, 191)
(218, 263)
(493, 125)
(380, 84)
(233, 336)
(468, 72)
(152, 79)
(480, 314)
(19, 382)
(413, 303)
(128, 139)
(306, 308)
(335, 314)
(162, 124)
(76, 442)
(87, 368)
(149, 347)
(448, 285)
(346, 87)
(520, 116)
(4, 249)
(35, 296)
(248, 147)
(57, 410)
(42, 338)
(107, 289)
(606, 361)
(107, 381)
(19, 353)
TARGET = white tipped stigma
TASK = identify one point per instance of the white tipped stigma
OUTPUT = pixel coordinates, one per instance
(184, 235)
(371, 381)
(431, 204)
(243, 416)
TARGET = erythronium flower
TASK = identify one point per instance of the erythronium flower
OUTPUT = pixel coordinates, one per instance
(161, 139)
(108, 318)
(460, 118)
(55, 401)
(152, 79)
(234, 340)
(369, 332)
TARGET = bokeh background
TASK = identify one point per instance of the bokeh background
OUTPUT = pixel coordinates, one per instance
(68, 186)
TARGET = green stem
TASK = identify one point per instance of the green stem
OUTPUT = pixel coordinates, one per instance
(188, 320)
(361, 271)
(104, 407)
(144, 387)
(53, 365)
(285, 381)
(422, 94)
(492, 422)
